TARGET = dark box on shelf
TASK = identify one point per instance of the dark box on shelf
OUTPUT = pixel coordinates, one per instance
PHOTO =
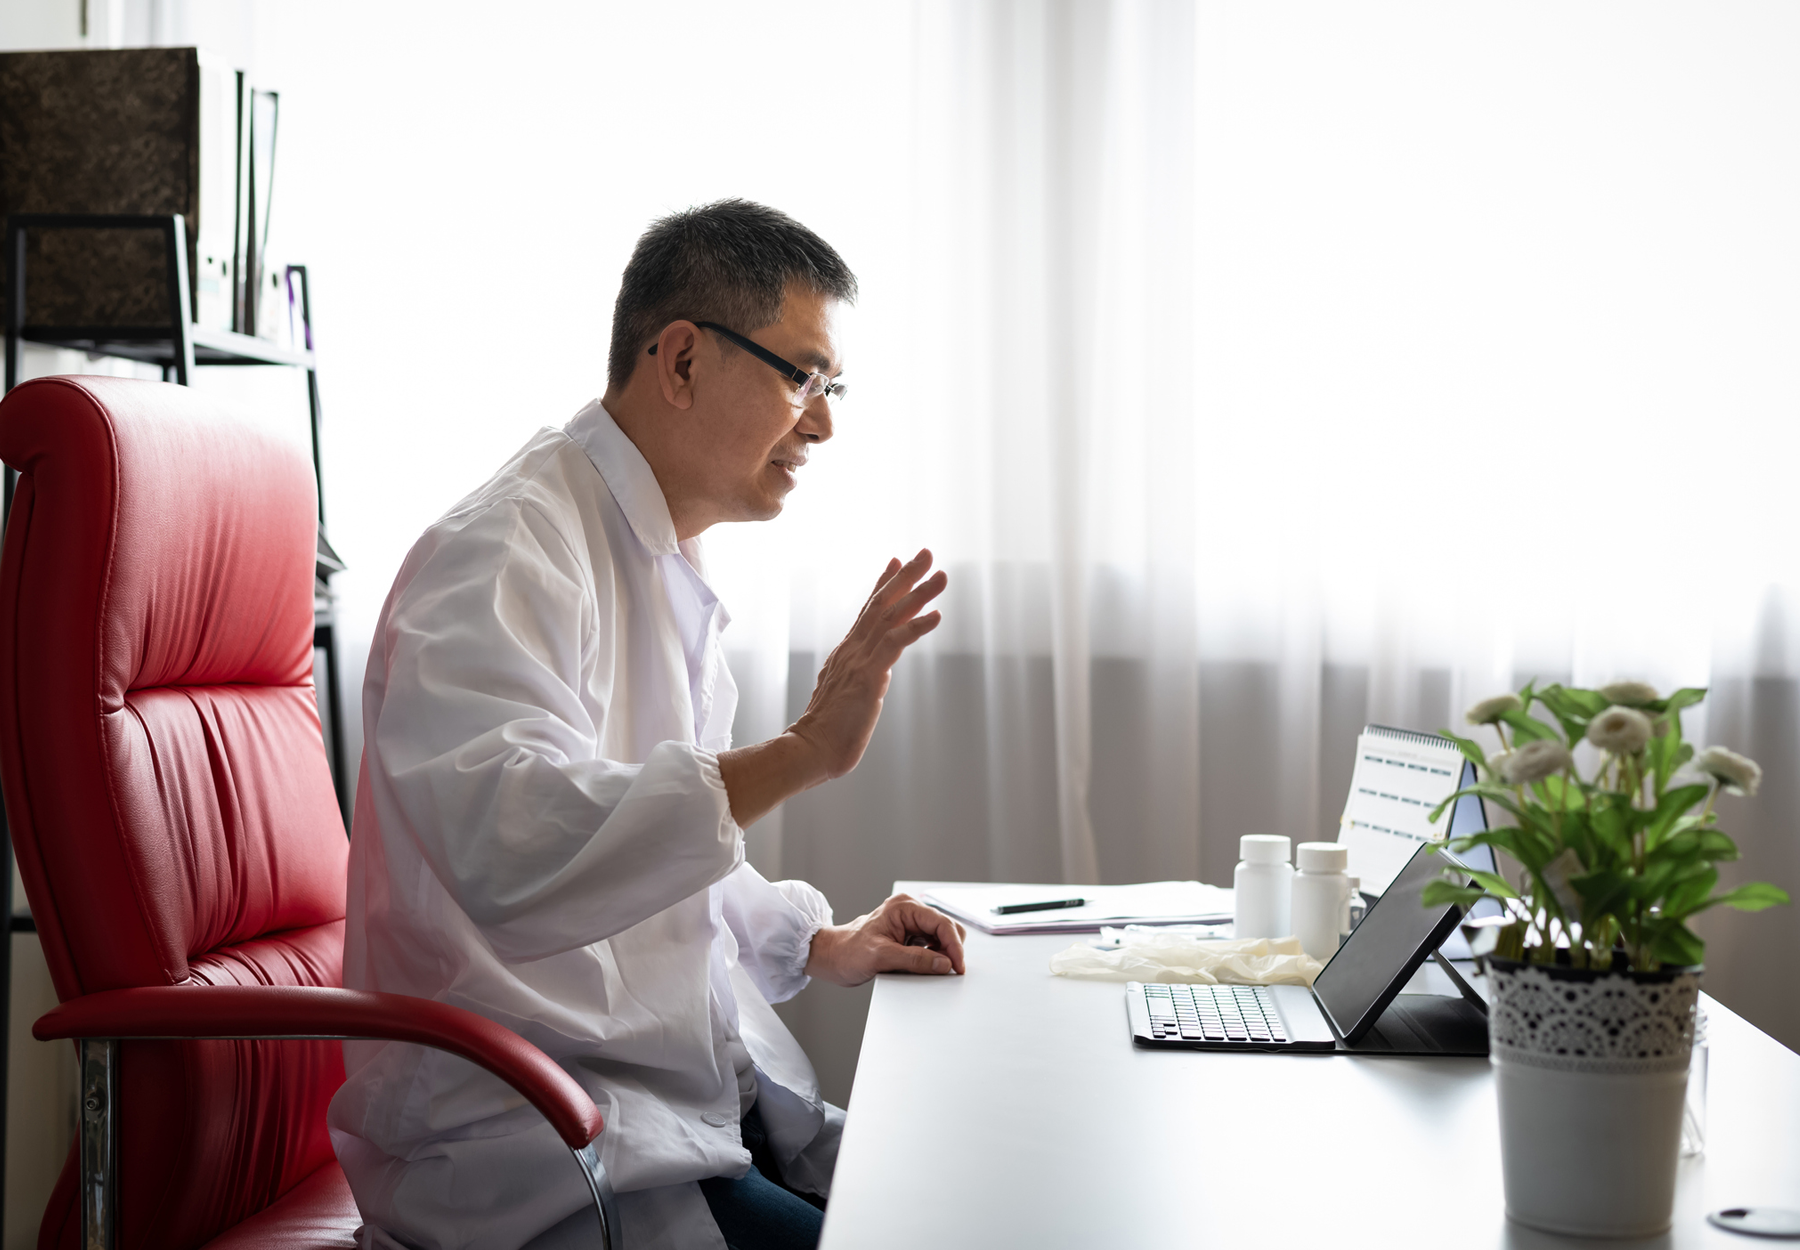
(135, 130)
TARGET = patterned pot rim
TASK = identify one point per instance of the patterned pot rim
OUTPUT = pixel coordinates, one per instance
(1584, 1020)
(1568, 972)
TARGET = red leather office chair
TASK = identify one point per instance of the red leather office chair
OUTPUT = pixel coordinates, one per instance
(175, 825)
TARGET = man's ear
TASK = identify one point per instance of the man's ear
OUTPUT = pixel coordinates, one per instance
(674, 357)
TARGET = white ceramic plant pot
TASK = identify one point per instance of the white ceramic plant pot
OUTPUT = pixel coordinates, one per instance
(1591, 1071)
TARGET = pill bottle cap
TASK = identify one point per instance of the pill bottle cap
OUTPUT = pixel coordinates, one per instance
(1264, 848)
(1322, 856)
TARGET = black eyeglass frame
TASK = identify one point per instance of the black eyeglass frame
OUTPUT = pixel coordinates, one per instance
(829, 388)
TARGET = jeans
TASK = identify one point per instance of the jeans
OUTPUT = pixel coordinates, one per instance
(756, 1211)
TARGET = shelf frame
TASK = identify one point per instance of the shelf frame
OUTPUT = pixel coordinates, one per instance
(178, 348)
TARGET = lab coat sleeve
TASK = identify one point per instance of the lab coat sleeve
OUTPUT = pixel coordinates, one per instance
(774, 923)
(490, 756)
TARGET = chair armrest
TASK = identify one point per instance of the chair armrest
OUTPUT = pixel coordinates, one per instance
(293, 1011)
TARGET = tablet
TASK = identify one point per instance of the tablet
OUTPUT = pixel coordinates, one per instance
(1398, 933)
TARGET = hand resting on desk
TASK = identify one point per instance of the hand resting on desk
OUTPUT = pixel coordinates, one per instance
(901, 935)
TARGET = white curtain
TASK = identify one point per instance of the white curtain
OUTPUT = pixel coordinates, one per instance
(1040, 471)
(1272, 370)
(1257, 371)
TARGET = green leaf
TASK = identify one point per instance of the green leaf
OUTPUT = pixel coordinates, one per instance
(1690, 894)
(1562, 794)
(1660, 881)
(1493, 883)
(1534, 842)
(1611, 828)
(1711, 845)
(1670, 807)
(1492, 791)
(1603, 892)
(1683, 824)
(1504, 838)
(1578, 835)
(1470, 748)
(1573, 707)
(1442, 893)
(1687, 696)
(1754, 897)
(1575, 700)
(1677, 944)
(1527, 727)
(1664, 752)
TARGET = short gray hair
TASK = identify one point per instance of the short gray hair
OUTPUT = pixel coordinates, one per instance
(730, 262)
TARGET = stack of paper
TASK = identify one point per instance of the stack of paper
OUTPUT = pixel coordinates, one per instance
(1152, 902)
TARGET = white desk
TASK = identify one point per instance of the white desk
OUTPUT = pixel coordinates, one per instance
(1008, 1108)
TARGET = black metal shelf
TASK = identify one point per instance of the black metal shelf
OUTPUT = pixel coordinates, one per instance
(152, 345)
(178, 346)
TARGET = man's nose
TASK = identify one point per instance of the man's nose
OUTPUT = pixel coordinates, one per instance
(815, 420)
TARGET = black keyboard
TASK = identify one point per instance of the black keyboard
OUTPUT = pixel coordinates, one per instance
(1213, 1013)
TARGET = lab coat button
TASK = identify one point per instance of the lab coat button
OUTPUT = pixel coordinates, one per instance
(716, 1119)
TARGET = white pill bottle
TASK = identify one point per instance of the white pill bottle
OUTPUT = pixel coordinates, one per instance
(1263, 886)
(1320, 891)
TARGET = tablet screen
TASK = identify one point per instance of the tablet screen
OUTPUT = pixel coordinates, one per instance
(1398, 933)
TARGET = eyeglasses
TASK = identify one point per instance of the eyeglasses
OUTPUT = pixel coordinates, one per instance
(811, 384)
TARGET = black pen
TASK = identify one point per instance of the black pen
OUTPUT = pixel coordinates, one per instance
(1013, 909)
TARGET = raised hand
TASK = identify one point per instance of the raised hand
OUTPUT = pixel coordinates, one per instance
(834, 731)
(840, 717)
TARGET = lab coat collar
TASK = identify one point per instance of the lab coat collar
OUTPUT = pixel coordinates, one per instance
(627, 475)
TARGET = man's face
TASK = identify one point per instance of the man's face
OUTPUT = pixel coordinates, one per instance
(755, 439)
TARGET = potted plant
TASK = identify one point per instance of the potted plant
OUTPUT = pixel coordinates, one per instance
(1593, 972)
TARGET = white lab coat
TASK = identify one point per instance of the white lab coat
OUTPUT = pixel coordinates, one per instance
(542, 836)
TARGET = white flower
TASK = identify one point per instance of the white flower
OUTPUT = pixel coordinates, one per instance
(1621, 730)
(1490, 710)
(1630, 693)
(1736, 773)
(1534, 761)
(1496, 765)
(1556, 875)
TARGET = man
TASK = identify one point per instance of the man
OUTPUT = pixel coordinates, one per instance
(549, 820)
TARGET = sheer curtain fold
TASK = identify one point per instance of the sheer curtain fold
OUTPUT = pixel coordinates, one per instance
(1071, 138)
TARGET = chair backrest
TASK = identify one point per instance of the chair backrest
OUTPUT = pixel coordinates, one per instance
(164, 774)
